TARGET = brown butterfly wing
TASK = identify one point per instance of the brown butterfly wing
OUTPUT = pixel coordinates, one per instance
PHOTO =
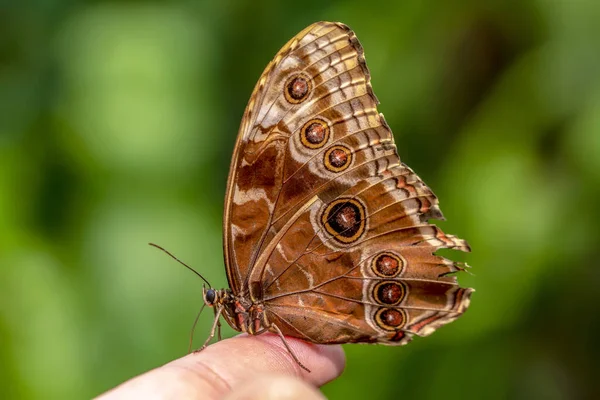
(258, 188)
(323, 223)
(255, 176)
(380, 284)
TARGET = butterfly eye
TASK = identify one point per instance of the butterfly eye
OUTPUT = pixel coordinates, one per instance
(314, 134)
(210, 296)
(344, 219)
(389, 292)
(387, 265)
(390, 318)
(297, 88)
(338, 158)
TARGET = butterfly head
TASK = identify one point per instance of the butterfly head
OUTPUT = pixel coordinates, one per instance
(225, 304)
(210, 296)
(216, 297)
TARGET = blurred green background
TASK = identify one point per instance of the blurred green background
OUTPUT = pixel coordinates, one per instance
(117, 124)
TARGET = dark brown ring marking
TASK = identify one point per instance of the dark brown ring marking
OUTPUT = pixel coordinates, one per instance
(297, 88)
(398, 336)
(390, 319)
(345, 219)
(388, 265)
(389, 293)
(314, 134)
(337, 158)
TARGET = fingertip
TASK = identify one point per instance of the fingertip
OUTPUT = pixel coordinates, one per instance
(325, 362)
(275, 388)
(233, 359)
(224, 367)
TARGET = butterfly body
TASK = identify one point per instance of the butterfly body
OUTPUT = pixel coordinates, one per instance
(326, 232)
(239, 312)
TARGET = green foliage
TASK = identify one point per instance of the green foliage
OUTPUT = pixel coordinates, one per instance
(117, 123)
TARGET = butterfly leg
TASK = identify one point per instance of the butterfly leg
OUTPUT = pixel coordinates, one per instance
(219, 338)
(218, 312)
(218, 326)
(288, 348)
(194, 328)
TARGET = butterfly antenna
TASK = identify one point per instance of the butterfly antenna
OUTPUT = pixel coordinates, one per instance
(181, 262)
(194, 328)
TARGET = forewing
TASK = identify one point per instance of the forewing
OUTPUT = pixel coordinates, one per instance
(270, 174)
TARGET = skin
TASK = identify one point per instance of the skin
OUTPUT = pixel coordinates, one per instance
(244, 367)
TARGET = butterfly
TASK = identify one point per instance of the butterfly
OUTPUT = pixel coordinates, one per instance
(326, 233)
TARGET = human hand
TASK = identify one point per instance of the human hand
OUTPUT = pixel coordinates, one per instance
(244, 367)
